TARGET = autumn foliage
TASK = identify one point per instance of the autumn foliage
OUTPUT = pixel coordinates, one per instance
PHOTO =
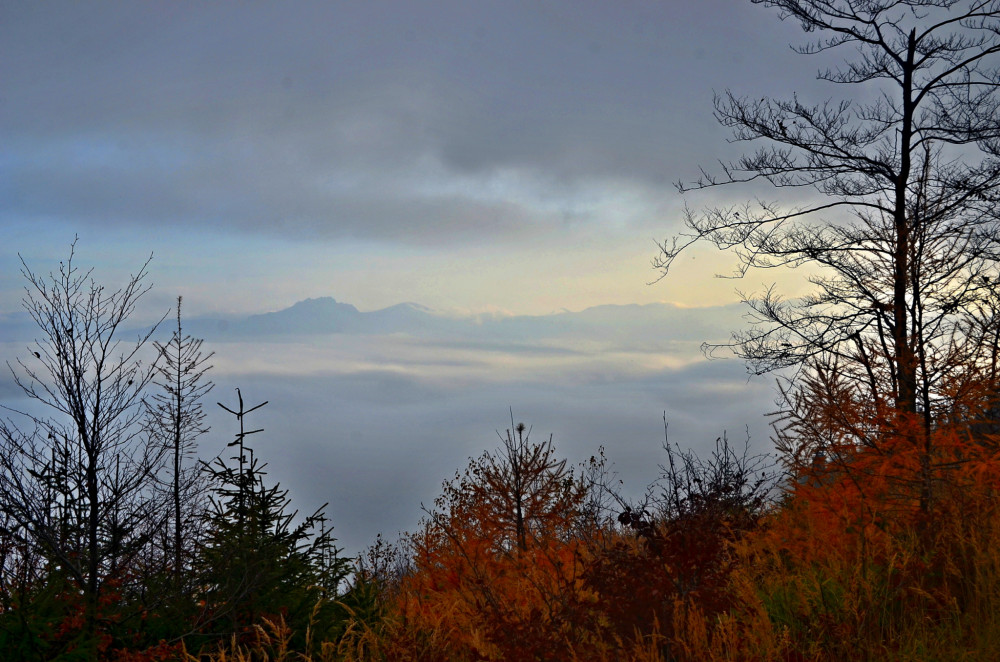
(874, 539)
(516, 561)
(871, 547)
(858, 551)
(876, 550)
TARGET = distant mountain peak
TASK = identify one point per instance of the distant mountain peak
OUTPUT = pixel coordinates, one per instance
(319, 303)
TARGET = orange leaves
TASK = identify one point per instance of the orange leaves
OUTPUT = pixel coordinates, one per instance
(881, 550)
(873, 551)
(490, 602)
(510, 566)
(497, 568)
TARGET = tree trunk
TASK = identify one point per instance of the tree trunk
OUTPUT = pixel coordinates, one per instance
(904, 357)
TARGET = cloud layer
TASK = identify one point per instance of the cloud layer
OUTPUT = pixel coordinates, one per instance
(373, 419)
(374, 422)
(412, 124)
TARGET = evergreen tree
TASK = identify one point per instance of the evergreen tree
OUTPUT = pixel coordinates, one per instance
(259, 560)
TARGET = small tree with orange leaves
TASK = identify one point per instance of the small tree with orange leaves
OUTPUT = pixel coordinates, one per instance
(495, 568)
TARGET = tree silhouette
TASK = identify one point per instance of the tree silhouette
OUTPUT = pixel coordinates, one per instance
(175, 417)
(259, 559)
(900, 215)
(79, 485)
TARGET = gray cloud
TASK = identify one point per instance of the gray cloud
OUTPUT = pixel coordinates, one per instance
(339, 120)
(412, 124)
(122, 196)
(9, 390)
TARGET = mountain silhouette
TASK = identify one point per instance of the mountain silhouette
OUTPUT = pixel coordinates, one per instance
(654, 322)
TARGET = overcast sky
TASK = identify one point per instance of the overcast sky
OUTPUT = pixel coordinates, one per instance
(472, 157)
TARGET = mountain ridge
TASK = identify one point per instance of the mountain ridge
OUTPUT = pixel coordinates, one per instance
(326, 315)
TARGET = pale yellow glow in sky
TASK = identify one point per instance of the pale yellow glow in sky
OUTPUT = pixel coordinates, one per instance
(531, 281)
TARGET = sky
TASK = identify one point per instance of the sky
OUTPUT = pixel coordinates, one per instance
(483, 160)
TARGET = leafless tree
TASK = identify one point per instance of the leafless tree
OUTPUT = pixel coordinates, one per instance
(175, 417)
(901, 184)
(77, 476)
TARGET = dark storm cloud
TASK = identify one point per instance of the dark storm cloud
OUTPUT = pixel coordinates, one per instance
(387, 121)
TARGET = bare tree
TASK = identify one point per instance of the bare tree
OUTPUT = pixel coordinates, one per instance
(901, 184)
(175, 417)
(77, 477)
